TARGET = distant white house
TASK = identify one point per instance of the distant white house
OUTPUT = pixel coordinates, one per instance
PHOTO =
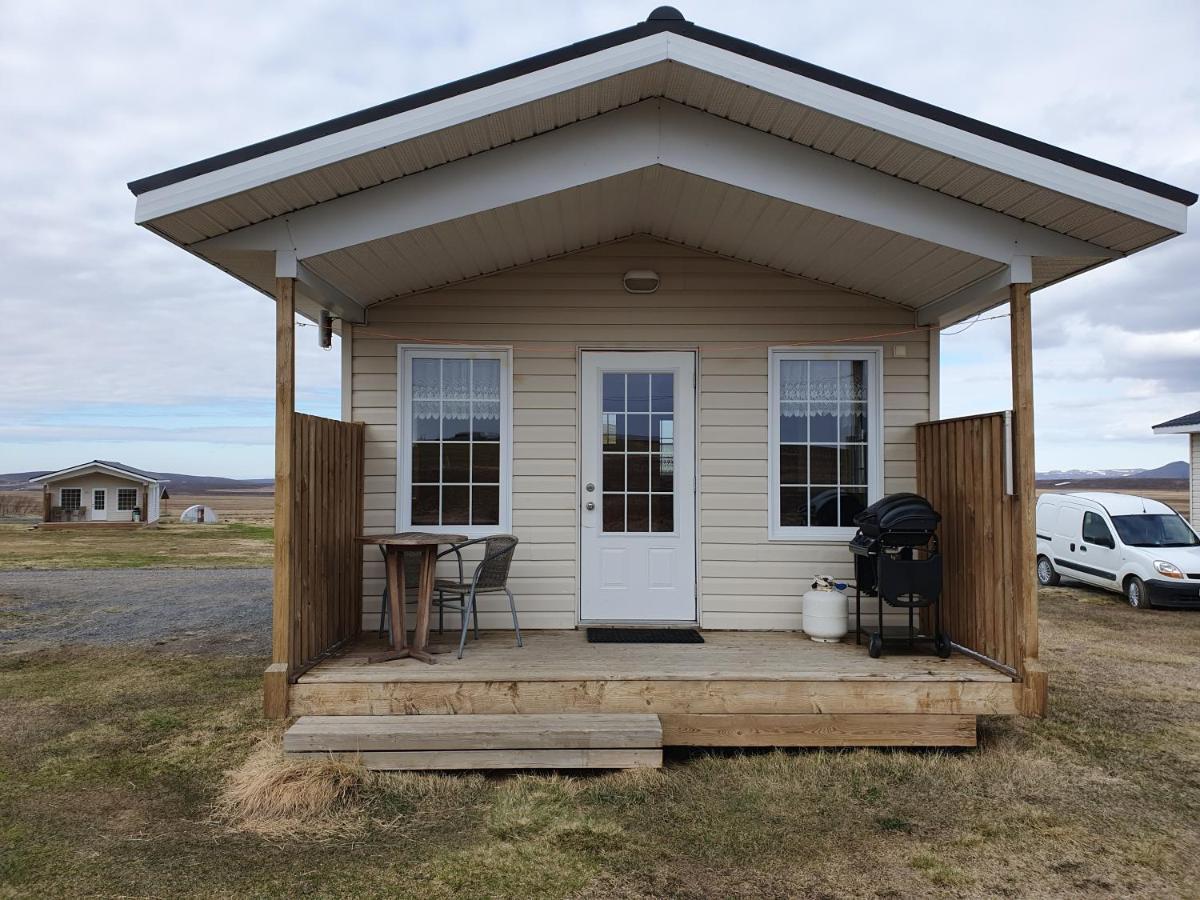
(101, 491)
(1189, 425)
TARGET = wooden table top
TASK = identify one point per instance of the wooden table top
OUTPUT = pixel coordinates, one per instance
(411, 539)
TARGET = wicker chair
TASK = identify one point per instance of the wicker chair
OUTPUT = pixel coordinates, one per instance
(490, 577)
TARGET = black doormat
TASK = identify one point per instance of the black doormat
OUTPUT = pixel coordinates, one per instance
(644, 636)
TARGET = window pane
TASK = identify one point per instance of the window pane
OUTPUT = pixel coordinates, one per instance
(639, 432)
(425, 504)
(823, 507)
(793, 381)
(638, 512)
(793, 507)
(426, 379)
(852, 422)
(456, 463)
(426, 463)
(70, 498)
(427, 424)
(793, 422)
(638, 469)
(662, 432)
(662, 393)
(613, 426)
(614, 512)
(662, 473)
(823, 422)
(614, 472)
(614, 392)
(662, 512)
(823, 380)
(852, 379)
(456, 502)
(485, 466)
(854, 464)
(485, 399)
(853, 501)
(793, 464)
(638, 398)
(822, 465)
(485, 506)
(126, 498)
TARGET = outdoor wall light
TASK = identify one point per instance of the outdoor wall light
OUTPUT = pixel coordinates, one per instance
(325, 332)
(641, 281)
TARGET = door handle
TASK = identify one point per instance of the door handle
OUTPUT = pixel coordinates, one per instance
(1082, 549)
(589, 506)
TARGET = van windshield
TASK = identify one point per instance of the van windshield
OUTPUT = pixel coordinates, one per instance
(1155, 531)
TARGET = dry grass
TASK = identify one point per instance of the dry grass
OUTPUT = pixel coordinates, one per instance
(206, 546)
(112, 764)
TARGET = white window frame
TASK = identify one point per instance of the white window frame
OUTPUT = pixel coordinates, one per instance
(873, 355)
(117, 508)
(404, 355)
(60, 498)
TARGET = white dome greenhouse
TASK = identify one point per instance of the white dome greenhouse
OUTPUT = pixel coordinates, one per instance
(199, 515)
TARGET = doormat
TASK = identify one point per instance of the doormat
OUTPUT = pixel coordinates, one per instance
(644, 636)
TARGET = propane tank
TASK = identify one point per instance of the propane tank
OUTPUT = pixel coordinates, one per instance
(824, 610)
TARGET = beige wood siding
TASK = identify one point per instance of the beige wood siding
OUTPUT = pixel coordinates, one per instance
(1194, 497)
(732, 312)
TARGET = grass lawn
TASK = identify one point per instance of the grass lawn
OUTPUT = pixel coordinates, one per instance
(236, 544)
(111, 763)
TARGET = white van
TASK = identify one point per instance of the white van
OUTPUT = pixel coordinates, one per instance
(1133, 545)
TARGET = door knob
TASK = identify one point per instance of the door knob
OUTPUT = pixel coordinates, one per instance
(590, 506)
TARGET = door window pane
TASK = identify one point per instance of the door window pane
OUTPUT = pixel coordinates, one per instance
(637, 443)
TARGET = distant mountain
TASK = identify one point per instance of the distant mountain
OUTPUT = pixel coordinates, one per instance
(178, 482)
(1174, 470)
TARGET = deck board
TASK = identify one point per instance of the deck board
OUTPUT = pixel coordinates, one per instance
(559, 656)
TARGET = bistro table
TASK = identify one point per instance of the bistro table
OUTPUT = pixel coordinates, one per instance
(394, 546)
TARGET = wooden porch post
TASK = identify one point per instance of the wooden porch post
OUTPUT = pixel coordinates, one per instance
(1033, 694)
(276, 681)
(47, 502)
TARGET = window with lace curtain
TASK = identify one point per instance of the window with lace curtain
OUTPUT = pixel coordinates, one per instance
(825, 440)
(455, 446)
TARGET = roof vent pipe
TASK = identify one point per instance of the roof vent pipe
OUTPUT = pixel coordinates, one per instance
(666, 14)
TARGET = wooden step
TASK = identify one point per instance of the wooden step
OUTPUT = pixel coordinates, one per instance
(555, 741)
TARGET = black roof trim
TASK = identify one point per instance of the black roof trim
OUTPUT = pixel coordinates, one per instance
(1182, 421)
(686, 29)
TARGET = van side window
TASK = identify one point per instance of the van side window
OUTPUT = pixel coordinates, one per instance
(1095, 530)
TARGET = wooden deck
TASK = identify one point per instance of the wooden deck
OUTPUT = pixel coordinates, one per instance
(736, 689)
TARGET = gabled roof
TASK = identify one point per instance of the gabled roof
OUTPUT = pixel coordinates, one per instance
(664, 19)
(113, 468)
(1189, 424)
(673, 131)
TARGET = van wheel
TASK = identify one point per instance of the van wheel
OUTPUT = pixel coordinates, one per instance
(1136, 594)
(1047, 577)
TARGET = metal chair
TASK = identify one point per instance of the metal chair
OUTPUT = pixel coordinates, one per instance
(412, 581)
(490, 577)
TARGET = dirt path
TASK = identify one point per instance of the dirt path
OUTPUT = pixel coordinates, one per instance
(226, 611)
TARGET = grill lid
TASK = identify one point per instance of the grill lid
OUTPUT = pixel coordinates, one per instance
(898, 512)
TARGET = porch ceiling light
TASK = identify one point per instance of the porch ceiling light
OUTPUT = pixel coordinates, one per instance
(641, 281)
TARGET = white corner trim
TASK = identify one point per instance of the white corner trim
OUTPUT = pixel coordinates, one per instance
(347, 385)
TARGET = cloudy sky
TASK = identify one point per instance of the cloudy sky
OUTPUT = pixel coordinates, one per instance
(116, 344)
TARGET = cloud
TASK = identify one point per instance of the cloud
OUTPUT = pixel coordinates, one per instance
(99, 317)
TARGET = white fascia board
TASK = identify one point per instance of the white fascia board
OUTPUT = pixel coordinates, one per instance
(654, 132)
(401, 127)
(925, 132)
(1176, 429)
(977, 297)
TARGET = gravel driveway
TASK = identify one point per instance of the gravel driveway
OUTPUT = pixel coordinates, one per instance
(194, 610)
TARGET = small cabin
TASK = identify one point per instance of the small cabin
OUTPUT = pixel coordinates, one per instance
(101, 492)
(1189, 425)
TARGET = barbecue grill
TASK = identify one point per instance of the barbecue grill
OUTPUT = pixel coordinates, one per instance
(897, 561)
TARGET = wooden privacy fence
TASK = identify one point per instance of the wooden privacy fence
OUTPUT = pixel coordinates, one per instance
(316, 557)
(964, 469)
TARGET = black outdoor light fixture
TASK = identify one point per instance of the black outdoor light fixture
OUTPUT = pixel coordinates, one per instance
(325, 331)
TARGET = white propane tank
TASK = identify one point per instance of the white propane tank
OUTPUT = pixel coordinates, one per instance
(825, 610)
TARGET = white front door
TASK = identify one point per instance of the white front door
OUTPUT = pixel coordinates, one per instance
(638, 487)
(99, 505)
